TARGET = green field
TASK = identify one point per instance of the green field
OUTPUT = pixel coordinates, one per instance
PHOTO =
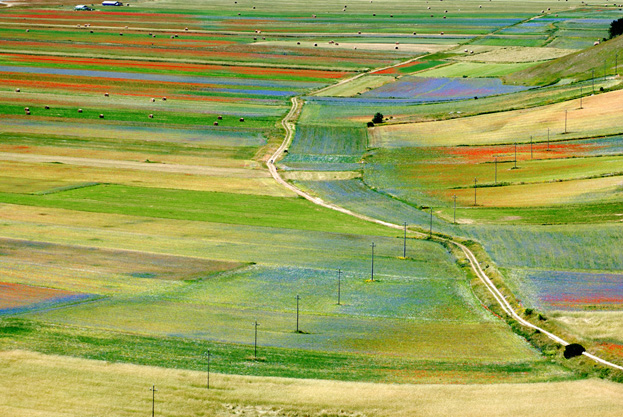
(140, 225)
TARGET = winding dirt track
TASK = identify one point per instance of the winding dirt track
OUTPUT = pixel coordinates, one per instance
(499, 297)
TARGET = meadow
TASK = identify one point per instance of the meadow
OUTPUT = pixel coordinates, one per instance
(140, 226)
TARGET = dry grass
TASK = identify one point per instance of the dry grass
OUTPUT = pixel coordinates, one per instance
(321, 175)
(601, 115)
(596, 325)
(142, 174)
(360, 85)
(514, 54)
(51, 386)
(416, 48)
(543, 194)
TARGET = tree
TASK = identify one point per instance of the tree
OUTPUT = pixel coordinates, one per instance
(616, 28)
(378, 118)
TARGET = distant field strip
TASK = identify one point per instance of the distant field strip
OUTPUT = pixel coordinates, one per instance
(601, 115)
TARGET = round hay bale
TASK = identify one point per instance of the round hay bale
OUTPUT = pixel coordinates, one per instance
(151, 116)
(153, 100)
(315, 44)
(17, 90)
(164, 99)
(28, 113)
(298, 43)
(242, 119)
(101, 116)
(359, 33)
(395, 47)
(442, 33)
(120, 34)
(186, 29)
(215, 123)
(415, 33)
(91, 31)
(106, 94)
(26, 108)
(220, 117)
(79, 110)
(27, 30)
(47, 107)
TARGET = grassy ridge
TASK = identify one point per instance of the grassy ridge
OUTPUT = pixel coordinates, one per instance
(577, 66)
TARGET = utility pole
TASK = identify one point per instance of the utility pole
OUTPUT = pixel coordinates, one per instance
(404, 245)
(495, 180)
(475, 183)
(454, 198)
(297, 312)
(255, 324)
(431, 223)
(153, 399)
(372, 269)
(565, 121)
(339, 285)
(208, 354)
(548, 138)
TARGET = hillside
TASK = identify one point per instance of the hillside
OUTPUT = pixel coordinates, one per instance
(575, 67)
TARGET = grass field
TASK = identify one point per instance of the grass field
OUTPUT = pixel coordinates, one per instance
(140, 226)
(183, 393)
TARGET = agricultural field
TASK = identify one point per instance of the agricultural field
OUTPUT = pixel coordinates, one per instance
(144, 219)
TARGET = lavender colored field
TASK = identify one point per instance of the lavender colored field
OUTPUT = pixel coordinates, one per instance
(356, 196)
(118, 75)
(197, 136)
(442, 89)
(16, 298)
(570, 290)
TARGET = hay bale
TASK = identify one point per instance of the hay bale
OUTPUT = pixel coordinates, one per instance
(27, 30)
(298, 43)
(79, 110)
(106, 94)
(415, 33)
(153, 100)
(242, 119)
(28, 113)
(151, 116)
(164, 99)
(120, 34)
(442, 33)
(26, 108)
(101, 116)
(220, 117)
(17, 90)
(215, 123)
(47, 107)
(186, 29)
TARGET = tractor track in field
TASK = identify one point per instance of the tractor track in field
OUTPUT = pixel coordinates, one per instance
(288, 124)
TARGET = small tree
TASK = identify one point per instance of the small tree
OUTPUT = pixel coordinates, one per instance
(370, 124)
(616, 28)
(378, 118)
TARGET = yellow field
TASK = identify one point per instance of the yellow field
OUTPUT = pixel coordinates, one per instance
(601, 115)
(185, 177)
(507, 54)
(596, 325)
(543, 194)
(360, 85)
(38, 385)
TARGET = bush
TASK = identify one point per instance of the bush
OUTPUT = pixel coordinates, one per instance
(616, 28)
(370, 124)
(378, 118)
(573, 350)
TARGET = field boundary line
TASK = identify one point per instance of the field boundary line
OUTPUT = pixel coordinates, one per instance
(288, 124)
